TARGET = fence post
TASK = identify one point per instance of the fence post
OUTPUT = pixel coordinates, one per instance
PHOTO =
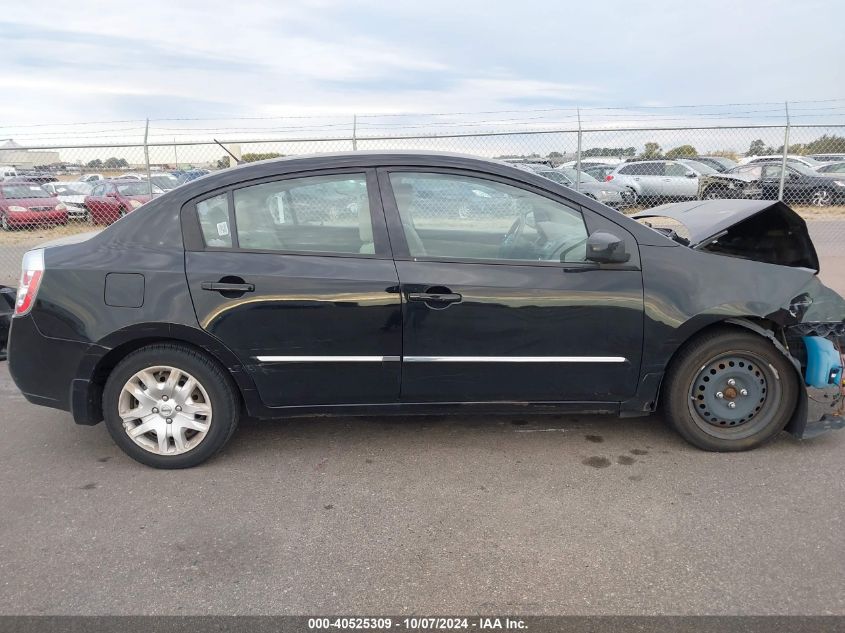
(785, 151)
(354, 132)
(578, 156)
(147, 157)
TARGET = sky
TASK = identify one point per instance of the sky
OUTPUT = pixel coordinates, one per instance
(249, 64)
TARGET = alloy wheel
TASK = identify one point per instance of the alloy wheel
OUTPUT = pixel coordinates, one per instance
(821, 198)
(165, 410)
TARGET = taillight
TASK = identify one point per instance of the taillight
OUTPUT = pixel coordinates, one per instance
(32, 270)
(608, 178)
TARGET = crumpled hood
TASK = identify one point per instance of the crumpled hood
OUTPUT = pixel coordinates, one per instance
(762, 230)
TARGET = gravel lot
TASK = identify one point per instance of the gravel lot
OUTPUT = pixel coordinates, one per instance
(530, 515)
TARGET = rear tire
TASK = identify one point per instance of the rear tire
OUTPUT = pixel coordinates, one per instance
(4, 223)
(729, 390)
(186, 427)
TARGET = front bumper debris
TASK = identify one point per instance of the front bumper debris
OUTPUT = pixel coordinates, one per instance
(825, 412)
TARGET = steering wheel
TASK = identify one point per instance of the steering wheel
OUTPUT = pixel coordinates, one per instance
(513, 234)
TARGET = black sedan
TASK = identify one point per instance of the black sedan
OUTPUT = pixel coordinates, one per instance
(220, 299)
(761, 181)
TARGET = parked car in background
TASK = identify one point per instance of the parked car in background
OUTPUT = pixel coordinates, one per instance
(832, 168)
(599, 172)
(202, 307)
(91, 177)
(812, 163)
(605, 192)
(660, 179)
(192, 174)
(72, 195)
(595, 160)
(110, 200)
(761, 181)
(7, 173)
(828, 158)
(27, 204)
(35, 175)
(719, 163)
(165, 181)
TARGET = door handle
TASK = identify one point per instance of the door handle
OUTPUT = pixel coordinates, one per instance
(220, 286)
(435, 297)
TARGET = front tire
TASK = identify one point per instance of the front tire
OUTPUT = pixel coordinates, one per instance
(169, 406)
(4, 223)
(729, 390)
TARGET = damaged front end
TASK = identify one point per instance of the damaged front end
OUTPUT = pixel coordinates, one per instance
(810, 329)
(817, 348)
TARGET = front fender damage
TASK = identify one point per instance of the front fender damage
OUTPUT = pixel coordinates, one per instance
(815, 312)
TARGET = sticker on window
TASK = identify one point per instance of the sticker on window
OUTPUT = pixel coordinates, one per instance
(222, 229)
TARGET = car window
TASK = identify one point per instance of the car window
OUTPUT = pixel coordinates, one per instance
(213, 215)
(772, 171)
(463, 217)
(677, 170)
(314, 214)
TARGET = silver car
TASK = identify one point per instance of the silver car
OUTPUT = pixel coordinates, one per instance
(675, 179)
(606, 192)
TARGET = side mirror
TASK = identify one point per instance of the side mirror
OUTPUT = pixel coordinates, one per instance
(606, 248)
(691, 174)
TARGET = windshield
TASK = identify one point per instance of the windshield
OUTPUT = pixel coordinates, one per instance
(572, 174)
(165, 182)
(18, 192)
(71, 188)
(136, 189)
(803, 169)
(701, 168)
(556, 176)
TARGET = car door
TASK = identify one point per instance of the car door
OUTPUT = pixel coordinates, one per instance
(649, 176)
(492, 313)
(679, 181)
(97, 201)
(298, 281)
(770, 183)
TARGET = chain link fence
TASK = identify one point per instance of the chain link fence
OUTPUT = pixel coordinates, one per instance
(50, 191)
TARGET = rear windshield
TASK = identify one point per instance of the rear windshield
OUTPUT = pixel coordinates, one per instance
(18, 192)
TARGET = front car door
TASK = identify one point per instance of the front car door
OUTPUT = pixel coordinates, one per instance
(502, 306)
(678, 181)
(294, 274)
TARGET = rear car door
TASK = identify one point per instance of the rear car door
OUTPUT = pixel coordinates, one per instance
(501, 305)
(294, 274)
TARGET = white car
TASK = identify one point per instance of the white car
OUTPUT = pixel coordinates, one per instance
(72, 194)
(595, 160)
(91, 177)
(807, 161)
(7, 172)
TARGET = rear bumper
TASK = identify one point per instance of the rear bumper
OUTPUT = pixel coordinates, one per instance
(43, 368)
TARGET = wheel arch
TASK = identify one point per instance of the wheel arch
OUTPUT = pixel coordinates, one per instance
(765, 329)
(97, 364)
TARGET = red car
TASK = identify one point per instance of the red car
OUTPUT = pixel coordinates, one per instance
(110, 200)
(27, 204)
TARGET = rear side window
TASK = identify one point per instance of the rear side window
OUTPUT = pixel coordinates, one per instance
(329, 214)
(213, 215)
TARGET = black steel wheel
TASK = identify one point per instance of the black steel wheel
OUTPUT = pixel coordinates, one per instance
(728, 390)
